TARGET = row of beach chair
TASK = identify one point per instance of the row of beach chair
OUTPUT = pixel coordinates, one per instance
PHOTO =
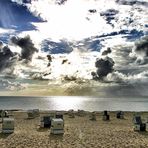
(55, 121)
(106, 116)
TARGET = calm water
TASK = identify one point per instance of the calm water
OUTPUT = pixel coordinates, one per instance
(68, 102)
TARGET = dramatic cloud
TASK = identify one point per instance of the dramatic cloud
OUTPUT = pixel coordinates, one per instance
(7, 57)
(72, 30)
(60, 2)
(141, 47)
(104, 67)
(107, 51)
(132, 2)
(5, 84)
(1, 44)
(27, 46)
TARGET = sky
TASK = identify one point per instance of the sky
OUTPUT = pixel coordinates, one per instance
(75, 43)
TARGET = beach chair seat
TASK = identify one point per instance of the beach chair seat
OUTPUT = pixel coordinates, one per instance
(120, 115)
(45, 122)
(138, 125)
(8, 125)
(57, 126)
(59, 116)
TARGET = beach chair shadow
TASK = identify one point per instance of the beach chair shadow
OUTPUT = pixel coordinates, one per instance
(40, 129)
(56, 137)
(4, 136)
(144, 134)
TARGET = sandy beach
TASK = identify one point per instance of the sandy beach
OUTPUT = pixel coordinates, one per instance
(79, 132)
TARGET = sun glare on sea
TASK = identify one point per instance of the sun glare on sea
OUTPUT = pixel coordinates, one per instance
(65, 102)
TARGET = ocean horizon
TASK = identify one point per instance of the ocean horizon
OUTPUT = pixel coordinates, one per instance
(87, 103)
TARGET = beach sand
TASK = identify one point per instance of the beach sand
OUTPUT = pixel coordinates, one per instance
(80, 132)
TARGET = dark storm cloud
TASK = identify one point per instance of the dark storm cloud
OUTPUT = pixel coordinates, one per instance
(107, 51)
(27, 46)
(60, 2)
(141, 47)
(104, 67)
(7, 57)
(92, 10)
(132, 2)
(1, 44)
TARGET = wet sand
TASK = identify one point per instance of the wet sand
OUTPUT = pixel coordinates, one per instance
(79, 132)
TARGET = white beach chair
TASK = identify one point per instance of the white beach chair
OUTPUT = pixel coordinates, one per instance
(57, 126)
(8, 125)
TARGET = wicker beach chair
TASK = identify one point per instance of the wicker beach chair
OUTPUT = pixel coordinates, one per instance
(8, 125)
(120, 115)
(138, 124)
(36, 112)
(45, 122)
(106, 116)
(57, 126)
(71, 113)
(3, 114)
(81, 113)
(30, 114)
(93, 116)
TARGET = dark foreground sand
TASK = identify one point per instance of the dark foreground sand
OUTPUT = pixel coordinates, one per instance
(80, 132)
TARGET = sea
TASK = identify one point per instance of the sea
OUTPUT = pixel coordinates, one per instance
(74, 102)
